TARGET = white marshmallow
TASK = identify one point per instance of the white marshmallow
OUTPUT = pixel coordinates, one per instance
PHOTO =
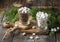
(31, 37)
(52, 29)
(33, 34)
(23, 33)
(55, 29)
(58, 28)
(24, 10)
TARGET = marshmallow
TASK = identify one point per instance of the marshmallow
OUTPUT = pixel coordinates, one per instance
(58, 28)
(33, 34)
(52, 29)
(24, 10)
(31, 37)
(23, 33)
(55, 29)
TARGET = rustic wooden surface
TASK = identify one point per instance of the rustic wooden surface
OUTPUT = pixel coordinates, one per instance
(17, 37)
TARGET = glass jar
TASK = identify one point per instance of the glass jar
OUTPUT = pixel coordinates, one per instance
(24, 16)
